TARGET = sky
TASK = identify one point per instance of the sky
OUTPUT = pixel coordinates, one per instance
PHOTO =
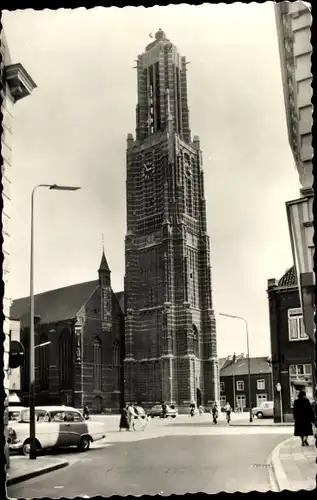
(73, 128)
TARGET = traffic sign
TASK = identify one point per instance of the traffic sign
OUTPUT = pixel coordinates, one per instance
(16, 355)
(278, 387)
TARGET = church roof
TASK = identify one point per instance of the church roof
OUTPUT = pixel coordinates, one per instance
(55, 305)
(289, 278)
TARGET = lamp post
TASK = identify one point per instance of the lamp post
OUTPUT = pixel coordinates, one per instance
(32, 347)
(248, 354)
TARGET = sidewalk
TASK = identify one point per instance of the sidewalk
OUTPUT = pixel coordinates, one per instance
(294, 466)
(257, 422)
(22, 468)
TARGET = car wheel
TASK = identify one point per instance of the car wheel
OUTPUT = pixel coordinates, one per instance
(27, 446)
(259, 414)
(84, 443)
(173, 416)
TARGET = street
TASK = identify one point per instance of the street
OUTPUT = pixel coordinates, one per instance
(185, 455)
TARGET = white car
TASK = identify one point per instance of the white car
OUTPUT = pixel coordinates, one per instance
(264, 410)
(55, 427)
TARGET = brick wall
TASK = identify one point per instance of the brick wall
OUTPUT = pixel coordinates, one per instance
(231, 382)
(284, 352)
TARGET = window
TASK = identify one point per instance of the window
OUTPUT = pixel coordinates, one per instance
(97, 364)
(261, 400)
(300, 371)
(260, 384)
(222, 387)
(301, 378)
(117, 364)
(43, 356)
(195, 341)
(241, 402)
(296, 330)
(65, 359)
(240, 385)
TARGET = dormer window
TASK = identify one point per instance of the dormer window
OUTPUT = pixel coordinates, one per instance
(19, 81)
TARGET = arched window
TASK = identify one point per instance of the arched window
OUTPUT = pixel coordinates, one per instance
(117, 364)
(43, 363)
(195, 341)
(65, 360)
(97, 364)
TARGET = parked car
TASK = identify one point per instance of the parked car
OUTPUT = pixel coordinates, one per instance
(156, 411)
(264, 410)
(55, 427)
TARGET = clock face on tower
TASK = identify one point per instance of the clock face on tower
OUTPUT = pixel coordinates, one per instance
(147, 169)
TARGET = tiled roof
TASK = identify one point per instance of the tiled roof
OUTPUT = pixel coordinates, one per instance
(55, 305)
(289, 278)
(240, 367)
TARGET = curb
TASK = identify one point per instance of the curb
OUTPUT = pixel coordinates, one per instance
(277, 467)
(35, 473)
(262, 425)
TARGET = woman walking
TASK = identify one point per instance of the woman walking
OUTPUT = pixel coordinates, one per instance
(303, 417)
(124, 424)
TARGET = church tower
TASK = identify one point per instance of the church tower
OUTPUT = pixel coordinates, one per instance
(170, 331)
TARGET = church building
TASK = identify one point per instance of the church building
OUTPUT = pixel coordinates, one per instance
(170, 331)
(79, 344)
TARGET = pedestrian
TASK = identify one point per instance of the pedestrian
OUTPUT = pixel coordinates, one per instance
(303, 418)
(131, 416)
(124, 422)
(86, 412)
(192, 410)
(201, 410)
(214, 411)
(228, 410)
(164, 410)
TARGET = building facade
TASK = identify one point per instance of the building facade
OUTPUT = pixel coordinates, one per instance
(293, 20)
(16, 84)
(292, 348)
(79, 344)
(171, 351)
(234, 382)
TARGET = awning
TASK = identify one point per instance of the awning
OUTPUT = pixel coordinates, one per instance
(13, 398)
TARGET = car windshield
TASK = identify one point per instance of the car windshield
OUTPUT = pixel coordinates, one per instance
(14, 415)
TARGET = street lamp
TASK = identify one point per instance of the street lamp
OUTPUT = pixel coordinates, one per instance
(32, 346)
(248, 354)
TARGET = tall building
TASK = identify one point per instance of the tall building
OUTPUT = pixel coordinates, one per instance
(16, 84)
(170, 337)
(293, 20)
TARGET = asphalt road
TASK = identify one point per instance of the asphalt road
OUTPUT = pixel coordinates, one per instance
(164, 459)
